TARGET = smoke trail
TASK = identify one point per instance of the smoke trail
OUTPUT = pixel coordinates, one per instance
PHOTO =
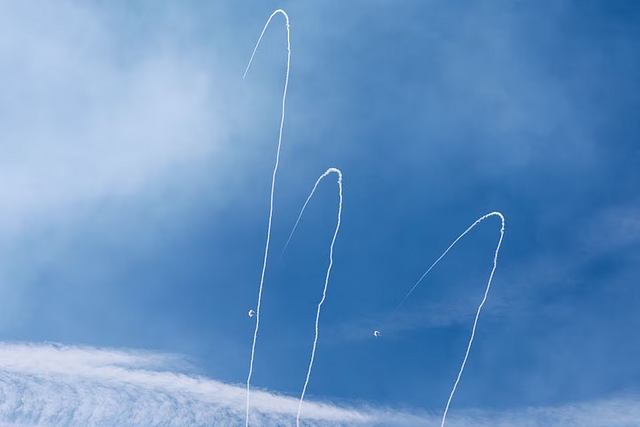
(295, 226)
(444, 253)
(484, 299)
(326, 280)
(273, 184)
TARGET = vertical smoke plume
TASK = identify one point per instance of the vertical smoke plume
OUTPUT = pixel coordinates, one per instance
(484, 299)
(326, 280)
(273, 185)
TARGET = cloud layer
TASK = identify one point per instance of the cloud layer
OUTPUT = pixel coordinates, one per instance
(52, 385)
(55, 385)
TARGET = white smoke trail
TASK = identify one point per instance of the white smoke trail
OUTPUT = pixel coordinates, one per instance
(413, 288)
(304, 207)
(273, 184)
(326, 280)
(484, 299)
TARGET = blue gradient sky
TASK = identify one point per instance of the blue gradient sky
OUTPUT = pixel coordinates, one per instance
(136, 166)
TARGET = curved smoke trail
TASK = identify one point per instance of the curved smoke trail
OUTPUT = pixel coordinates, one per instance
(484, 299)
(326, 280)
(273, 184)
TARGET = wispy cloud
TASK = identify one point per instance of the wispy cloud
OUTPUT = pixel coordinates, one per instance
(612, 228)
(86, 116)
(94, 118)
(54, 385)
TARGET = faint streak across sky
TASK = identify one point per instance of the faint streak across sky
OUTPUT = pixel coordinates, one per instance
(273, 184)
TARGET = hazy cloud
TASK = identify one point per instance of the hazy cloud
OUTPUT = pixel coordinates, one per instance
(54, 385)
(85, 116)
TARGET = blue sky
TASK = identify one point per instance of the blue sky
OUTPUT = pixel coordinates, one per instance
(136, 165)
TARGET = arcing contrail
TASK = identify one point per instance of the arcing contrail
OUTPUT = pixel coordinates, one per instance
(273, 184)
(326, 280)
(304, 207)
(413, 288)
(484, 299)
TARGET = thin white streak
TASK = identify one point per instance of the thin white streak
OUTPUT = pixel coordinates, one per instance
(273, 184)
(326, 280)
(484, 299)
(442, 256)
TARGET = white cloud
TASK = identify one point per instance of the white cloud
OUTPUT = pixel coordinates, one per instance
(54, 385)
(96, 115)
(85, 116)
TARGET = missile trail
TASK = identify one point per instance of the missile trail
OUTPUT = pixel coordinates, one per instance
(484, 299)
(273, 184)
(326, 280)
